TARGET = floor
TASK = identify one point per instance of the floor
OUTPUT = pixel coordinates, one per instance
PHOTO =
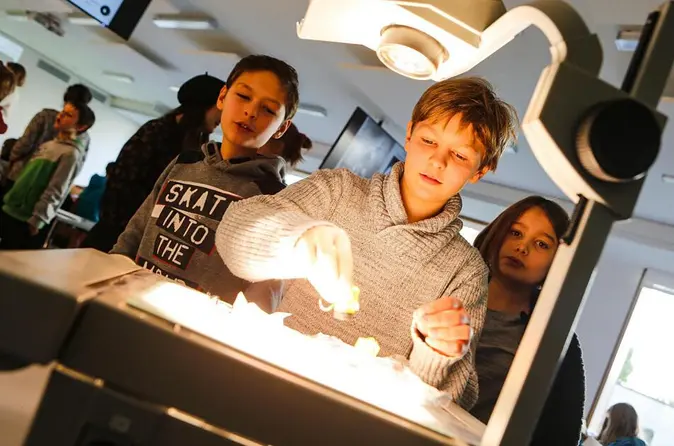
(20, 393)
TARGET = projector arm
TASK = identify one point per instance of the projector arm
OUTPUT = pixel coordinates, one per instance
(596, 145)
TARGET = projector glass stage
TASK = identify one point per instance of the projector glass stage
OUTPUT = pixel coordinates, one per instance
(386, 383)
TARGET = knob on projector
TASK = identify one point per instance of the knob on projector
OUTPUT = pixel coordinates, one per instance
(618, 140)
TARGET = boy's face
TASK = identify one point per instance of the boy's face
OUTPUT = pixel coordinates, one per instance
(441, 158)
(67, 119)
(253, 109)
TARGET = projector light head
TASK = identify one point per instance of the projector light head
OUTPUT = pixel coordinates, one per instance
(410, 52)
(414, 38)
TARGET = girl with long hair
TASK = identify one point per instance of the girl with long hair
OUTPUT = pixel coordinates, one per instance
(518, 247)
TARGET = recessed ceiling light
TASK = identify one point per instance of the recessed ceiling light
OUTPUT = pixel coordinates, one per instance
(82, 20)
(18, 16)
(667, 178)
(312, 110)
(178, 21)
(119, 77)
(174, 88)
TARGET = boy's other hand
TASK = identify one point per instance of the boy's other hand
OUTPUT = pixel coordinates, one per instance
(445, 326)
(324, 252)
(32, 230)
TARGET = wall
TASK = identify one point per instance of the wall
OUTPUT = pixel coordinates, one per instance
(632, 248)
(42, 90)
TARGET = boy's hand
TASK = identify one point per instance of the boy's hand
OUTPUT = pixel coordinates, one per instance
(32, 230)
(445, 326)
(324, 252)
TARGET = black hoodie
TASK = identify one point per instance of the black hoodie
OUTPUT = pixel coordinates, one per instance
(173, 232)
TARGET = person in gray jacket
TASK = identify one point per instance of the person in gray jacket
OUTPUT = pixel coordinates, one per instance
(173, 232)
(41, 129)
(31, 204)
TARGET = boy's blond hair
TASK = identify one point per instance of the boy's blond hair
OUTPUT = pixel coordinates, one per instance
(494, 121)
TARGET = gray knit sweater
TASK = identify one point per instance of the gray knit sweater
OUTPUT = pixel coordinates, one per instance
(397, 265)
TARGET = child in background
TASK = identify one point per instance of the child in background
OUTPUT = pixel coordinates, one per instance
(423, 287)
(89, 202)
(43, 185)
(41, 129)
(621, 427)
(173, 232)
(289, 146)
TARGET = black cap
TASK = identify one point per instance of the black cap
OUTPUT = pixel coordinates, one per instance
(202, 90)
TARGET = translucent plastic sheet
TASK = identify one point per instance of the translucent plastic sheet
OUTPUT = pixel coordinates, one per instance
(386, 383)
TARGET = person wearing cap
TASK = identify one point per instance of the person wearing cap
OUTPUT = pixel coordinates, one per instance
(149, 151)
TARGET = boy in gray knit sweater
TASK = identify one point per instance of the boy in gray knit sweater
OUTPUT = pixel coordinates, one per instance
(423, 287)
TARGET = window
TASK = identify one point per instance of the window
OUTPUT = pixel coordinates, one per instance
(643, 367)
(10, 51)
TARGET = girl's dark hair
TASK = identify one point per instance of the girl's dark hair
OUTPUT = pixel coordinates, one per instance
(191, 126)
(293, 142)
(621, 421)
(19, 72)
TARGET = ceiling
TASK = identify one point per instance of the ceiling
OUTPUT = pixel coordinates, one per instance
(331, 75)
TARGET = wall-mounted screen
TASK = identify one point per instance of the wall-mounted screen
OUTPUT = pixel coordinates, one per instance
(120, 16)
(364, 147)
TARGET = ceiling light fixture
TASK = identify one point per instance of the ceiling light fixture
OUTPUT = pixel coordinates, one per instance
(177, 21)
(82, 20)
(119, 77)
(17, 16)
(667, 178)
(312, 110)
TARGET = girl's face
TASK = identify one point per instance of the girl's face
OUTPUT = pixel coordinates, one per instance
(528, 249)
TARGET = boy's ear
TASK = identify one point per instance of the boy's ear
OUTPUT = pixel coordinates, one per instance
(281, 130)
(221, 98)
(479, 174)
(408, 134)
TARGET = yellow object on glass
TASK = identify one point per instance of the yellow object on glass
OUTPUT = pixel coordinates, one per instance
(368, 345)
(344, 308)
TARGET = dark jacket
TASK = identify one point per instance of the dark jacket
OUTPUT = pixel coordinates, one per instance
(138, 166)
(561, 418)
